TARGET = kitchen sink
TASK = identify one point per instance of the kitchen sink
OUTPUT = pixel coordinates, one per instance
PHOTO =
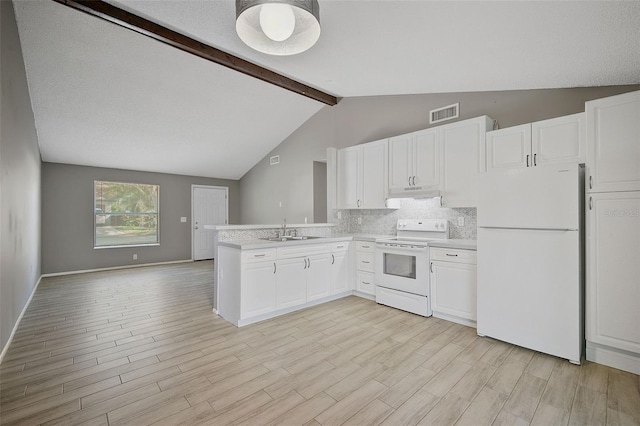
(289, 238)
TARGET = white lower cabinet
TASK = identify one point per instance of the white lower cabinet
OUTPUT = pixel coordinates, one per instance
(340, 277)
(258, 284)
(291, 282)
(453, 284)
(258, 289)
(365, 267)
(318, 274)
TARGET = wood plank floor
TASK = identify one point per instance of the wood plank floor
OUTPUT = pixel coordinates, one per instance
(141, 346)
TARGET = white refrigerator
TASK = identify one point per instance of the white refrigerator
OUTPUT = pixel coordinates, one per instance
(530, 258)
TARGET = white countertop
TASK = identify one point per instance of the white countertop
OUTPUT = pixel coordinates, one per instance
(261, 244)
(246, 227)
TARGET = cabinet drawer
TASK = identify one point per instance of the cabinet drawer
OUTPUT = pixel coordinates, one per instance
(302, 250)
(340, 247)
(365, 246)
(453, 255)
(364, 261)
(250, 256)
(365, 283)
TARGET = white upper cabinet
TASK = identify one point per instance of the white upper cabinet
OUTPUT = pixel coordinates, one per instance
(613, 143)
(463, 157)
(362, 176)
(558, 140)
(509, 148)
(414, 162)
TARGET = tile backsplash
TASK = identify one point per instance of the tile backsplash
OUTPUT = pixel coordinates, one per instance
(384, 221)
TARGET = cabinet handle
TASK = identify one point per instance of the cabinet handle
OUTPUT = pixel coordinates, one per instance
(260, 255)
(431, 267)
(527, 160)
(365, 246)
(274, 267)
(339, 246)
(364, 282)
(365, 261)
(534, 159)
(590, 203)
(590, 182)
(358, 203)
(414, 181)
(454, 255)
(333, 259)
(409, 180)
(309, 260)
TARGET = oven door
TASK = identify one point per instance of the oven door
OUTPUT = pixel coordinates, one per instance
(402, 268)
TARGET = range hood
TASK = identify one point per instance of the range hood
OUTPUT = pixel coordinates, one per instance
(414, 192)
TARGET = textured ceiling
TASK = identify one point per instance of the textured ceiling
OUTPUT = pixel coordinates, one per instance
(105, 96)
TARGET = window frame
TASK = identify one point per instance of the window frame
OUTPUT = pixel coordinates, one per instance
(95, 214)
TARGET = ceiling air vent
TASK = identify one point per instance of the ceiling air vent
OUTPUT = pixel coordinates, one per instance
(274, 160)
(445, 113)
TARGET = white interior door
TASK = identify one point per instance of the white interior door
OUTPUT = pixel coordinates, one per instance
(209, 207)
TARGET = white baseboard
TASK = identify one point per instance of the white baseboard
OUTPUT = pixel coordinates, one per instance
(112, 268)
(611, 357)
(458, 320)
(15, 326)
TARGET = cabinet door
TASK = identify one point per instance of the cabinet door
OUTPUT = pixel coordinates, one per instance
(559, 140)
(339, 272)
(509, 148)
(291, 289)
(374, 182)
(258, 289)
(400, 158)
(613, 143)
(462, 161)
(426, 158)
(348, 177)
(613, 274)
(453, 289)
(318, 276)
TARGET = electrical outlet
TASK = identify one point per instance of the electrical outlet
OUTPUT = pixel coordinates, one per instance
(183, 219)
(339, 215)
(359, 220)
(460, 220)
(135, 256)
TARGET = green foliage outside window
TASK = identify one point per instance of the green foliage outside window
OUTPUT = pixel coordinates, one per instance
(125, 213)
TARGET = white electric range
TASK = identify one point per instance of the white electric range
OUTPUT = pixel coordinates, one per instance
(402, 265)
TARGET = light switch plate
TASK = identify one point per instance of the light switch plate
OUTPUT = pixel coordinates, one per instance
(183, 219)
(460, 220)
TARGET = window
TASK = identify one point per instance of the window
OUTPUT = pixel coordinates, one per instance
(125, 214)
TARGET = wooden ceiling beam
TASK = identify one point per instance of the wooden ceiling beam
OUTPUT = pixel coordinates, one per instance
(123, 18)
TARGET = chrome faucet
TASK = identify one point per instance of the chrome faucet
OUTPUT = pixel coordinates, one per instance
(284, 227)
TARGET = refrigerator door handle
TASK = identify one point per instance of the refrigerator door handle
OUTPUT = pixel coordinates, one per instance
(529, 229)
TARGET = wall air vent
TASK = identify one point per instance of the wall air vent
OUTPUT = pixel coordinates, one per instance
(445, 113)
(274, 160)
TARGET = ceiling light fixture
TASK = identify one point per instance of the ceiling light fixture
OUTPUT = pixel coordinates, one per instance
(278, 27)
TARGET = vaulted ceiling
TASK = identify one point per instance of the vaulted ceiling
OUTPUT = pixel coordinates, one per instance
(105, 96)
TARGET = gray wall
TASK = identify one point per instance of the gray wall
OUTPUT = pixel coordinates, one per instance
(67, 224)
(358, 120)
(20, 181)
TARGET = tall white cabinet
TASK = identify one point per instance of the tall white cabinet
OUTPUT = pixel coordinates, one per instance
(463, 158)
(613, 231)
